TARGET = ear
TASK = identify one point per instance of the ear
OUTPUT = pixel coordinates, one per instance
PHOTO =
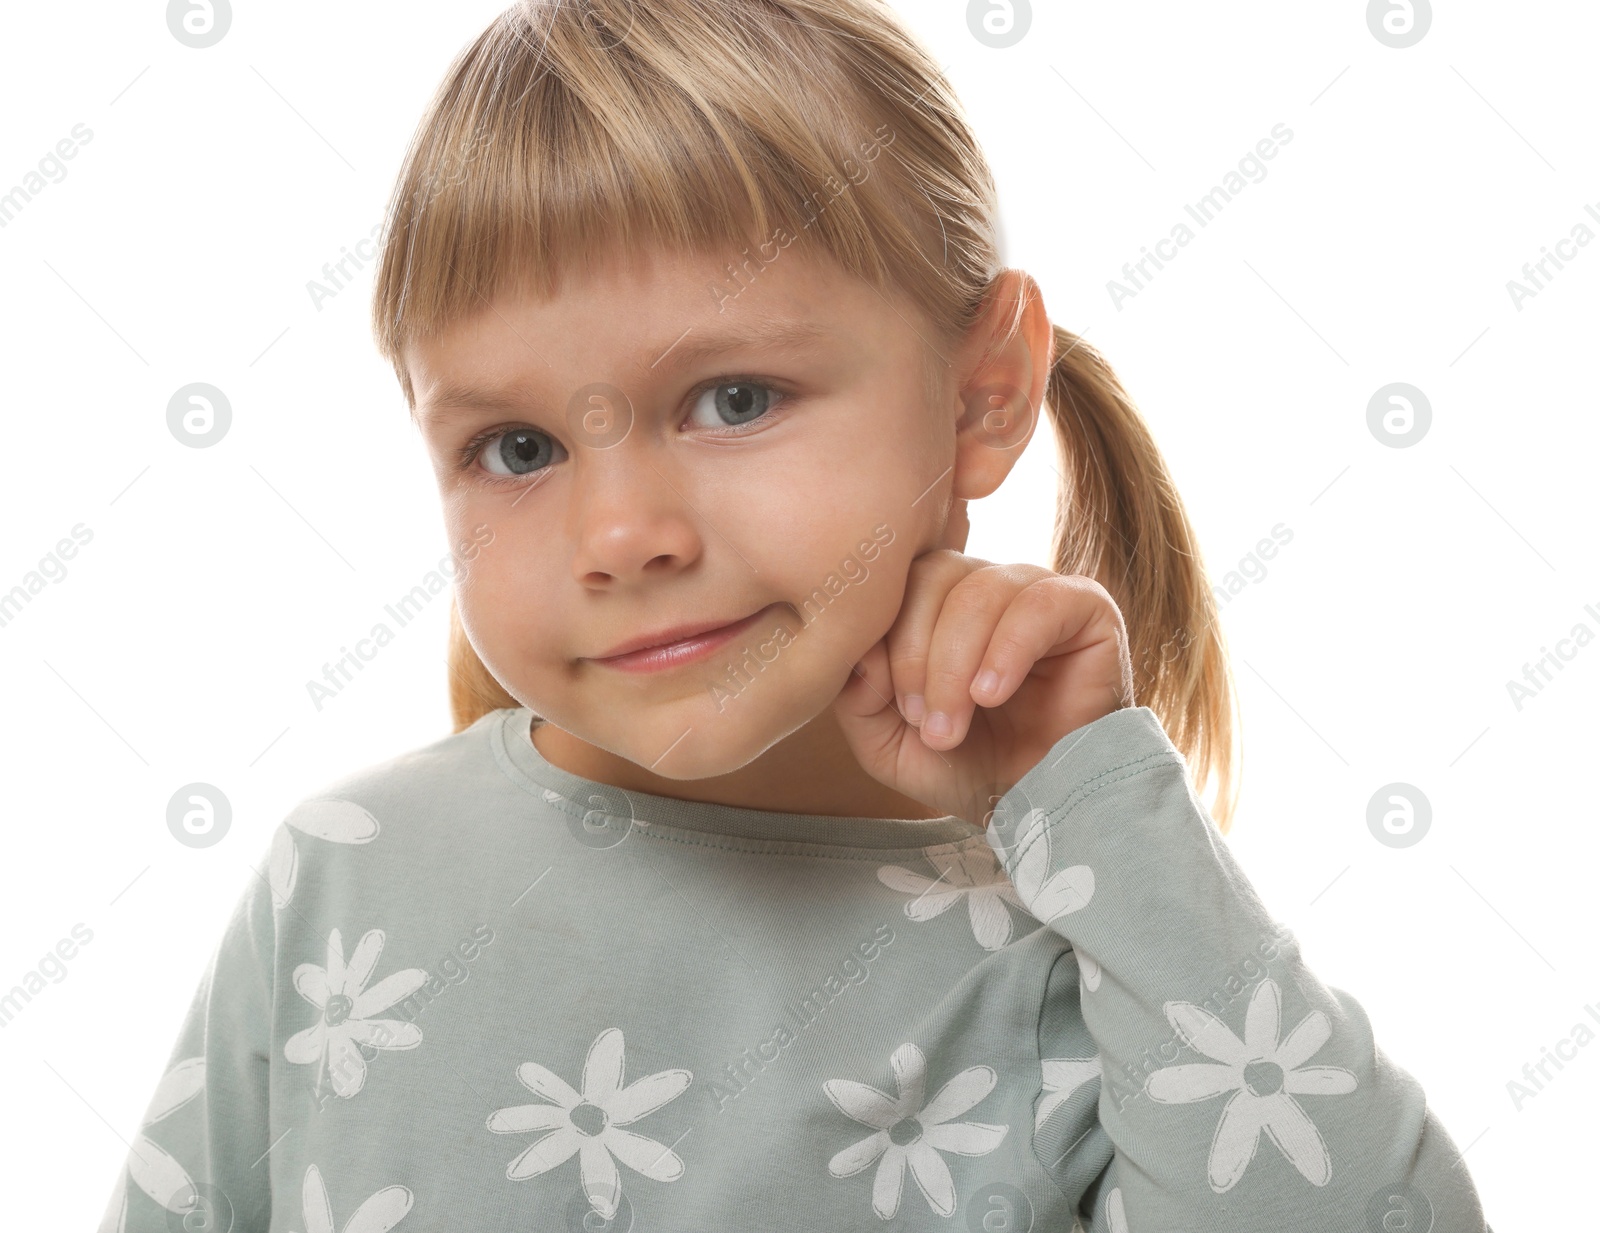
(1003, 368)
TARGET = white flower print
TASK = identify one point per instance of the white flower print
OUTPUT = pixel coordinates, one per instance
(1062, 1077)
(378, 1214)
(1047, 896)
(345, 1007)
(590, 1124)
(908, 1132)
(335, 821)
(1088, 969)
(151, 1166)
(1116, 1213)
(1262, 1073)
(973, 874)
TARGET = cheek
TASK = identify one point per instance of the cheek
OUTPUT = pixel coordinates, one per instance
(850, 580)
(842, 529)
(504, 582)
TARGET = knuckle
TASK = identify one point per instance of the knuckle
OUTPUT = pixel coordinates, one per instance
(1069, 588)
(1090, 586)
(907, 666)
(973, 596)
(908, 653)
(1046, 593)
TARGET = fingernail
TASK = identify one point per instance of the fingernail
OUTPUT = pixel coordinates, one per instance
(914, 706)
(988, 681)
(938, 724)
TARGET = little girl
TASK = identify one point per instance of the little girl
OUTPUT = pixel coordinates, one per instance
(787, 867)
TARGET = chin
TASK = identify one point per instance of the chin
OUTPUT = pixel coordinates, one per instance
(703, 743)
(707, 752)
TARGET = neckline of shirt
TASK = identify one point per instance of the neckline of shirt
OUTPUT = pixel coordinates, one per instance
(510, 736)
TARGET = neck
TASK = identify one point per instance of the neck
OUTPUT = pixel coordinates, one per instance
(810, 771)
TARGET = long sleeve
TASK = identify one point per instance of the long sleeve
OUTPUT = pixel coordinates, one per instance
(198, 1159)
(1220, 1085)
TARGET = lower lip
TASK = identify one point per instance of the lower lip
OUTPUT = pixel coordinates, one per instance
(674, 654)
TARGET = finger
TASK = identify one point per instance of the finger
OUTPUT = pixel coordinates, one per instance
(966, 624)
(1042, 619)
(866, 714)
(1053, 616)
(928, 581)
(869, 691)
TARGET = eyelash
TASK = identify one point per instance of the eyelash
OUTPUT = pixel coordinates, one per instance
(470, 451)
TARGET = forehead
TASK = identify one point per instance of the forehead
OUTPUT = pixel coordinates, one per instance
(644, 314)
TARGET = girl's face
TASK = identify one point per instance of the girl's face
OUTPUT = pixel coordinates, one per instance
(665, 447)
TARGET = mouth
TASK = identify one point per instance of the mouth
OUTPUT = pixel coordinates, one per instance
(675, 647)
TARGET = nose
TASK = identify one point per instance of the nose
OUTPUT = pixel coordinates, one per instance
(631, 518)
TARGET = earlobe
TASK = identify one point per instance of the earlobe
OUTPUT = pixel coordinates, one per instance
(996, 424)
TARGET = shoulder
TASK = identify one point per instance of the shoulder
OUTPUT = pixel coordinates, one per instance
(400, 813)
(402, 776)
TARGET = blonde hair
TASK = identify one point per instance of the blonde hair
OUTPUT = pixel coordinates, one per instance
(570, 130)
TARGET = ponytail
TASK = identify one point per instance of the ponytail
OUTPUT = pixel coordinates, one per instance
(1120, 521)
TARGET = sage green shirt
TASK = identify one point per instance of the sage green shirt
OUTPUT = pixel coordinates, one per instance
(470, 992)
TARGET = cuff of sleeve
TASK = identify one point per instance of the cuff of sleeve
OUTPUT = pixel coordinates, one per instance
(1115, 747)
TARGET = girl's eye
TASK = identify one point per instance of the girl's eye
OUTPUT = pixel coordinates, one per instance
(512, 454)
(735, 402)
(516, 453)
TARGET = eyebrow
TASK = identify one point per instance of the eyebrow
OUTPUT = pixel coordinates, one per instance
(774, 334)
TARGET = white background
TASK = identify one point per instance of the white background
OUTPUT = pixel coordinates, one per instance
(1376, 649)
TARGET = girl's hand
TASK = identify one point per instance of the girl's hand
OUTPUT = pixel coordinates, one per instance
(1058, 650)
